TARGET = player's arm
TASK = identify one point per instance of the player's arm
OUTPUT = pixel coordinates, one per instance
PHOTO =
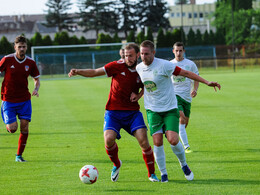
(36, 87)
(135, 97)
(198, 78)
(195, 89)
(87, 72)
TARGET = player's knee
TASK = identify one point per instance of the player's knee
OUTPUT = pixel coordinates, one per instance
(11, 129)
(109, 139)
(174, 140)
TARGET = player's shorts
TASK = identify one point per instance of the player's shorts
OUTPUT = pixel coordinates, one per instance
(166, 121)
(184, 106)
(130, 121)
(10, 110)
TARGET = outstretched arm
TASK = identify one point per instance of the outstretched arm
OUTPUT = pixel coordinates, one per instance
(87, 72)
(196, 77)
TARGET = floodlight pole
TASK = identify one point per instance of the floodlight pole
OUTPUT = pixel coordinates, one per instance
(233, 38)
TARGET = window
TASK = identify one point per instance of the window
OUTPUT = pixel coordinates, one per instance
(195, 15)
(172, 15)
(183, 14)
(178, 15)
(201, 15)
(190, 15)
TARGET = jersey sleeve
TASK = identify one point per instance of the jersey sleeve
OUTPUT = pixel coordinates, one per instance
(177, 71)
(2, 64)
(111, 68)
(35, 72)
(195, 69)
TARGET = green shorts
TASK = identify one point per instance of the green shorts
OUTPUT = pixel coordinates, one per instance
(163, 120)
(184, 106)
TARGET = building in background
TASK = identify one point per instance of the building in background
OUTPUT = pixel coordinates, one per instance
(195, 16)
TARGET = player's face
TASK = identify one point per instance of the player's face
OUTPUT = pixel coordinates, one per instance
(20, 49)
(178, 52)
(131, 57)
(147, 55)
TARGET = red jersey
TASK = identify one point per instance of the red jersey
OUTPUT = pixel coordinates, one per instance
(124, 82)
(15, 84)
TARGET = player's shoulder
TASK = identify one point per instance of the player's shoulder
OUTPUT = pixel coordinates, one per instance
(30, 59)
(9, 56)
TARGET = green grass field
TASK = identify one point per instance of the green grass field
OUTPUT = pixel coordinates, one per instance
(66, 133)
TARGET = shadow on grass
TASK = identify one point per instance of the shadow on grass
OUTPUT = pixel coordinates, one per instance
(218, 181)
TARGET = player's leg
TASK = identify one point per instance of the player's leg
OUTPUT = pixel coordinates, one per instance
(24, 112)
(182, 130)
(171, 121)
(24, 131)
(141, 136)
(111, 133)
(9, 116)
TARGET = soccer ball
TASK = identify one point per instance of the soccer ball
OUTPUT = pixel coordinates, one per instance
(88, 174)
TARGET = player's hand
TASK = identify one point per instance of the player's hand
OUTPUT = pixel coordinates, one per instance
(134, 97)
(214, 84)
(35, 93)
(193, 94)
(72, 72)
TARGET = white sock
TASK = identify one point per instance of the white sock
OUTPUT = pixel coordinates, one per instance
(179, 152)
(183, 135)
(159, 156)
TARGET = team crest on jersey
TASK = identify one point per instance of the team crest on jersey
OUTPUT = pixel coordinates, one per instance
(150, 86)
(26, 68)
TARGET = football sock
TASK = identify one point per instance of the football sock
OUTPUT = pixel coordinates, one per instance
(113, 154)
(183, 135)
(178, 150)
(159, 156)
(149, 160)
(22, 143)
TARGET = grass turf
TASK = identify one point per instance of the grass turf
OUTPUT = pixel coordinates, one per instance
(66, 133)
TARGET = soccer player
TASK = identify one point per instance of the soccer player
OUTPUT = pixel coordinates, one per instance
(16, 98)
(122, 53)
(184, 91)
(161, 105)
(122, 108)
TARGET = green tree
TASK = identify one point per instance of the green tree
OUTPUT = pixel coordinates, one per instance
(153, 14)
(57, 14)
(149, 35)
(211, 38)
(116, 39)
(61, 38)
(98, 15)
(83, 40)
(160, 38)
(191, 38)
(126, 11)
(176, 35)
(36, 40)
(74, 40)
(131, 37)
(140, 37)
(5, 46)
(168, 39)
(46, 40)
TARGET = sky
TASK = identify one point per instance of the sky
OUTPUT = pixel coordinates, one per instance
(27, 7)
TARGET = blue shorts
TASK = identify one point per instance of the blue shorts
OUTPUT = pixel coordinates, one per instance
(130, 121)
(9, 111)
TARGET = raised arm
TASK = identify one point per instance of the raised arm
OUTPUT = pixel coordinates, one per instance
(87, 72)
(198, 78)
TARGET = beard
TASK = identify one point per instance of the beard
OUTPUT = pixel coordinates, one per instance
(133, 65)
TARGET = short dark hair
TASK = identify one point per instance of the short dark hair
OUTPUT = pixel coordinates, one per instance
(132, 46)
(178, 44)
(20, 39)
(148, 43)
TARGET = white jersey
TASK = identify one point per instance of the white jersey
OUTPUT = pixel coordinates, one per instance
(183, 85)
(159, 93)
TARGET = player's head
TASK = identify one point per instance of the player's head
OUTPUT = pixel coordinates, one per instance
(132, 54)
(178, 50)
(147, 52)
(122, 53)
(20, 46)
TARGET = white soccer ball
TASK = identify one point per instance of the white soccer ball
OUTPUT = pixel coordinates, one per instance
(88, 174)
